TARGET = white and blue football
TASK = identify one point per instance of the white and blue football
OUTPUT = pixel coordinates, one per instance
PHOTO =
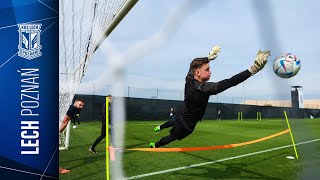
(287, 65)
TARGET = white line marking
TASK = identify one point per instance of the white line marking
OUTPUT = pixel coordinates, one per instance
(48, 6)
(212, 162)
(49, 163)
(49, 26)
(12, 169)
(8, 59)
(4, 27)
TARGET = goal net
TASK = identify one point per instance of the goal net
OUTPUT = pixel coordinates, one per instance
(83, 25)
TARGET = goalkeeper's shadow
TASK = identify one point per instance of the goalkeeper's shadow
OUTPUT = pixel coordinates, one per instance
(231, 170)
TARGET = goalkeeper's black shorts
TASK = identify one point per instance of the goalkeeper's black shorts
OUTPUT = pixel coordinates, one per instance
(179, 131)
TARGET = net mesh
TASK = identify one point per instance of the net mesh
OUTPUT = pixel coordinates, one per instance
(82, 25)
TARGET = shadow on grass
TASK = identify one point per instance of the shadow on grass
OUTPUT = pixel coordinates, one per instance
(89, 154)
(231, 170)
(89, 176)
(95, 176)
(87, 160)
(144, 142)
(87, 145)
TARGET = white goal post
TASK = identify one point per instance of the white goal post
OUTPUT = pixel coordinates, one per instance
(83, 26)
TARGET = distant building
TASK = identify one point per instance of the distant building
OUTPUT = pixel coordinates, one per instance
(309, 104)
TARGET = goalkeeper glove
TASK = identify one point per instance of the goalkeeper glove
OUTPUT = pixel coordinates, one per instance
(259, 62)
(214, 53)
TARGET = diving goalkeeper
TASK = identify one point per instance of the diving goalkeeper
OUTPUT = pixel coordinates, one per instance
(198, 90)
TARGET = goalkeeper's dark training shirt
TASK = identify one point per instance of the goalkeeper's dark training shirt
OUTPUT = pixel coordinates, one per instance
(104, 114)
(73, 112)
(197, 95)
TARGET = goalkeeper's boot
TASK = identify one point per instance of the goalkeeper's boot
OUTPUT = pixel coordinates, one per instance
(156, 129)
(152, 145)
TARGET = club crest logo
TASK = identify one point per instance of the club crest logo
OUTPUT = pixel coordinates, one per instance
(29, 41)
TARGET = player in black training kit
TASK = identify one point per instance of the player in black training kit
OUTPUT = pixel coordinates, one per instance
(71, 113)
(198, 91)
(103, 127)
(219, 115)
(76, 118)
(172, 114)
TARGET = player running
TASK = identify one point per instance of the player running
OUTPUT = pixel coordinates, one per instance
(103, 127)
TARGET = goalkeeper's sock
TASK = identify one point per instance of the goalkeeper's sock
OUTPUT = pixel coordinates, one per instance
(165, 140)
(152, 145)
(167, 124)
(156, 129)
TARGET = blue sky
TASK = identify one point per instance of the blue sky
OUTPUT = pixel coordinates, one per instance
(240, 27)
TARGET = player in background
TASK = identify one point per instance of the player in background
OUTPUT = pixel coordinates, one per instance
(172, 113)
(198, 91)
(71, 113)
(103, 127)
(76, 118)
(219, 115)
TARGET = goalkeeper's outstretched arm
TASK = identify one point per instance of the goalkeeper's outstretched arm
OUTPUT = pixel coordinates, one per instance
(258, 64)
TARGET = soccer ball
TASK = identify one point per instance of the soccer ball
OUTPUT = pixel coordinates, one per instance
(74, 127)
(287, 65)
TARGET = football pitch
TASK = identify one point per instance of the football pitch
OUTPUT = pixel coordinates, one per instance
(82, 163)
(263, 160)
